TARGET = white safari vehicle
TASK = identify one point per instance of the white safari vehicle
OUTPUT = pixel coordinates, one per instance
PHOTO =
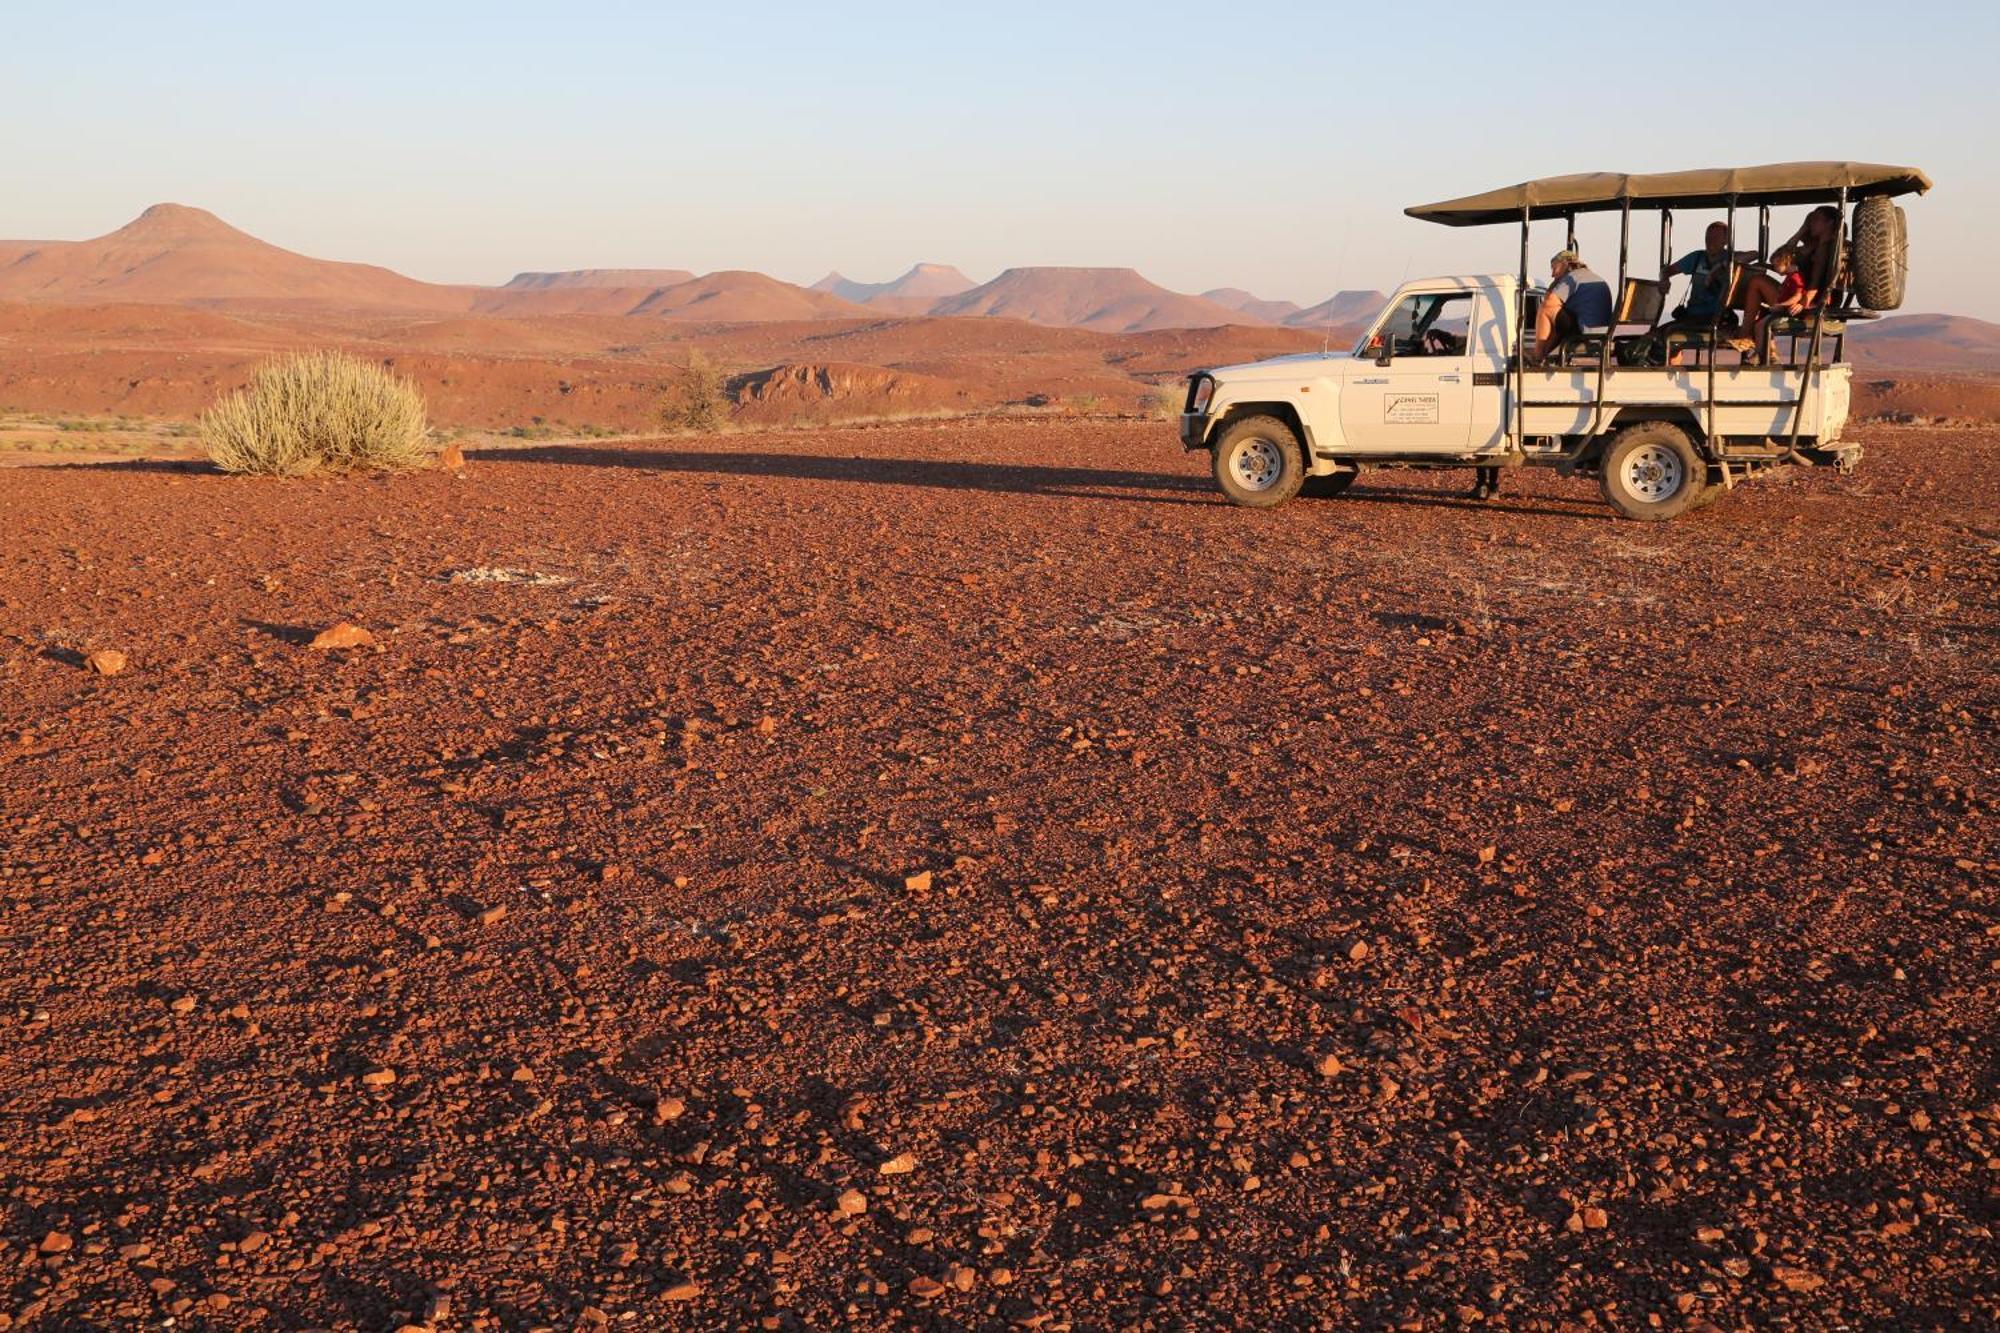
(1667, 413)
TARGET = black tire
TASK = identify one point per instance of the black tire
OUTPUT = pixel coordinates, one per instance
(1881, 254)
(1259, 463)
(1325, 488)
(1652, 473)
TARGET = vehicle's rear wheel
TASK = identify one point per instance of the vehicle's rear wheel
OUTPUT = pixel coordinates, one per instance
(1259, 462)
(1651, 472)
(1330, 485)
(1881, 254)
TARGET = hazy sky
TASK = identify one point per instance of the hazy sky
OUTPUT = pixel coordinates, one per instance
(1263, 145)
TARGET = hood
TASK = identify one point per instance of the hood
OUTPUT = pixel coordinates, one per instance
(1281, 367)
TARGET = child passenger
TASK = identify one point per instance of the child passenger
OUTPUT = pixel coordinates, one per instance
(1766, 297)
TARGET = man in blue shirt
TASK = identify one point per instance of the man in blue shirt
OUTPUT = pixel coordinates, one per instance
(1577, 299)
(1708, 271)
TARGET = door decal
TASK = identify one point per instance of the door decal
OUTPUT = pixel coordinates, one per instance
(1410, 409)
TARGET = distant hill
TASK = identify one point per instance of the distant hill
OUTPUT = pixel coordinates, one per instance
(912, 294)
(737, 295)
(1270, 312)
(1928, 342)
(1339, 311)
(526, 302)
(649, 278)
(176, 255)
(1111, 300)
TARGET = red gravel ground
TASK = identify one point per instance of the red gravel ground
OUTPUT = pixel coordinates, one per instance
(953, 876)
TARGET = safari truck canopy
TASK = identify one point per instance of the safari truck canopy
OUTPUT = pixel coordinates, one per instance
(1604, 191)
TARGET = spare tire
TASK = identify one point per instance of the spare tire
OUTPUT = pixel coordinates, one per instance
(1881, 254)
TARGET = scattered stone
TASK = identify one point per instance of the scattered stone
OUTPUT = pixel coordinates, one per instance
(452, 456)
(684, 1290)
(919, 882)
(378, 1078)
(1797, 1279)
(343, 635)
(1595, 1219)
(106, 662)
(57, 1242)
(899, 1165)
(1327, 1065)
(182, 1004)
(926, 1288)
(522, 1074)
(253, 1242)
(669, 1108)
(488, 916)
(851, 1203)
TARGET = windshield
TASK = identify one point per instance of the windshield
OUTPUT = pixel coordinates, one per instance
(1428, 324)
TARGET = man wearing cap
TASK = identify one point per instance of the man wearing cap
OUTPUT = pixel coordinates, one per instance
(1577, 299)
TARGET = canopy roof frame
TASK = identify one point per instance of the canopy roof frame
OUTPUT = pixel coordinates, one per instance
(1778, 183)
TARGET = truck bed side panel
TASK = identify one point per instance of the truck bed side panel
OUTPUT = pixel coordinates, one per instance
(1749, 400)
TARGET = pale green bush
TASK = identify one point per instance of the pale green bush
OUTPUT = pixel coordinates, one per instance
(319, 412)
(699, 398)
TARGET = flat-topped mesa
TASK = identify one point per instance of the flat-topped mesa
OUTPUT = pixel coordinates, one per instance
(600, 277)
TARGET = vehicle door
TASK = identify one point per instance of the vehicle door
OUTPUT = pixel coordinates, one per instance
(1492, 387)
(1420, 402)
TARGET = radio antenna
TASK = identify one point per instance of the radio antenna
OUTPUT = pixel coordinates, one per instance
(1339, 272)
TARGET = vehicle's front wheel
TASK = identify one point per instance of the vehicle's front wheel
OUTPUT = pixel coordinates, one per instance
(1259, 462)
(1651, 472)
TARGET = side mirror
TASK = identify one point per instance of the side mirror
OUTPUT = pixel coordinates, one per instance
(1385, 347)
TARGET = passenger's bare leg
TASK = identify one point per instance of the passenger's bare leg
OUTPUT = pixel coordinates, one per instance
(1758, 293)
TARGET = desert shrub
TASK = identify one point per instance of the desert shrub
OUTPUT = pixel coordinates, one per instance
(1165, 401)
(699, 398)
(318, 412)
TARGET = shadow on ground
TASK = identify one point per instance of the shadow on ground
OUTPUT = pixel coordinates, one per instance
(959, 475)
(945, 474)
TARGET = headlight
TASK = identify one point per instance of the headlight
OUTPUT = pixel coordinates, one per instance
(1204, 389)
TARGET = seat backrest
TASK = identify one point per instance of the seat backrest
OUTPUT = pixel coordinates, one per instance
(1640, 303)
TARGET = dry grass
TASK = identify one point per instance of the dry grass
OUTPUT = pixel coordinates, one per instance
(319, 412)
(1165, 401)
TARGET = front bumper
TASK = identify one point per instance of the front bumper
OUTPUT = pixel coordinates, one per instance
(1194, 430)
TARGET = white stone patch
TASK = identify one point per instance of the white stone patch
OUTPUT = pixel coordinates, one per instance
(494, 574)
